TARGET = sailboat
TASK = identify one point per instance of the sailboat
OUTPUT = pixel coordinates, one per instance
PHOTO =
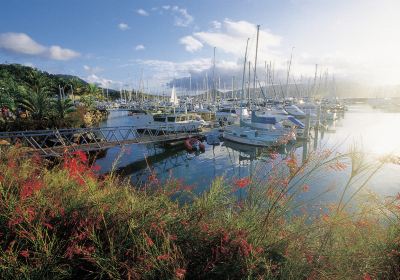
(174, 98)
(252, 133)
(174, 122)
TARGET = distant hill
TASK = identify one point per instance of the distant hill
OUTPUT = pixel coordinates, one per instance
(16, 77)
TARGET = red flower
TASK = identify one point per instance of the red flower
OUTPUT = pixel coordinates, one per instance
(24, 253)
(149, 241)
(96, 168)
(242, 183)
(367, 277)
(163, 257)
(30, 187)
(306, 188)
(49, 226)
(81, 156)
(180, 273)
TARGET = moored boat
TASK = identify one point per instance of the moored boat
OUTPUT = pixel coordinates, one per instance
(194, 144)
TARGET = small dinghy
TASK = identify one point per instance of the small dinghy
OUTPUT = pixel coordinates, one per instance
(193, 144)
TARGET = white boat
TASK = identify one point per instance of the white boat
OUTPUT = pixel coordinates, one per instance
(295, 111)
(249, 136)
(308, 108)
(230, 115)
(168, 122)
(282, 126)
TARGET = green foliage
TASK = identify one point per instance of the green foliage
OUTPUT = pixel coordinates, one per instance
(38, 94)
(62, 108)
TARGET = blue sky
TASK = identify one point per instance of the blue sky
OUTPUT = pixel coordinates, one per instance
(112, 42)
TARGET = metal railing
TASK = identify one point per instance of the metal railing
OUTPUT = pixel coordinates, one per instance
(58, 141)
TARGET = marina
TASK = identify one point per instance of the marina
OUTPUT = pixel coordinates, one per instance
(200, 140)
(231, 159)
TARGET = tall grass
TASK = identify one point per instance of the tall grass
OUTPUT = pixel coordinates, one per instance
(66, 222)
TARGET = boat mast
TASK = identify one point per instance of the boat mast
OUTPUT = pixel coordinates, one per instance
(214, 91)
(315, 81)
(266, 77)
(233, 77)
(255, 63)
(287, 75)
(190, 84)
(208, 94)
(244, 73)
(248, 86)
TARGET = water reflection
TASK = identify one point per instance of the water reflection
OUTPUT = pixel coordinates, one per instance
(377, 131)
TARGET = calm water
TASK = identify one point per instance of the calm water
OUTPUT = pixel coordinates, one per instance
(376, 132)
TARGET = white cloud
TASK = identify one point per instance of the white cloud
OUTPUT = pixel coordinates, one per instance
(231, 38)
(58, 53)
(102, 82)
(166, 7)
(123, 26)
(181, 17)
(191, 43)
(142, 12)
(140, 47)
(21, 43)
(92, 70)
(164, 71)
(216, 24)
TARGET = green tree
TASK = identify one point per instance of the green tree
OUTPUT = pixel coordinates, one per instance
(62, 108)
(94, 91)
(37, 100)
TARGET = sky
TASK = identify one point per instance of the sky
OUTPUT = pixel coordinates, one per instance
(148, 43)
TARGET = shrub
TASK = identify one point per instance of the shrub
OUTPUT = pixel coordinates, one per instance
(66, 222)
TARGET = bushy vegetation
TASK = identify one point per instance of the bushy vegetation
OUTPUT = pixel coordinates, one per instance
(38, 100)
(66, 222)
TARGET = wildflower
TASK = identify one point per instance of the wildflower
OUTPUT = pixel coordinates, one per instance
(11, 164)
(245, 247)
(96, 168)
(367, 277)
(153, 178)
(163, 257)
(47, 225)
(242, 183)
(338, 166)
(173, 237)
(309, 258)
(29, 188)
(149, 241)
(24, 253)
(81, 156)
(180, 273)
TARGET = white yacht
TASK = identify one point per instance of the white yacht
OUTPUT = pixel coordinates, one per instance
(249, 136)
(282, 126)
(168, 122)
(295, 111)
(230, 115)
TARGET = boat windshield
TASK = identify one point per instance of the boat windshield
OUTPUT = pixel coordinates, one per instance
(159, 119)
